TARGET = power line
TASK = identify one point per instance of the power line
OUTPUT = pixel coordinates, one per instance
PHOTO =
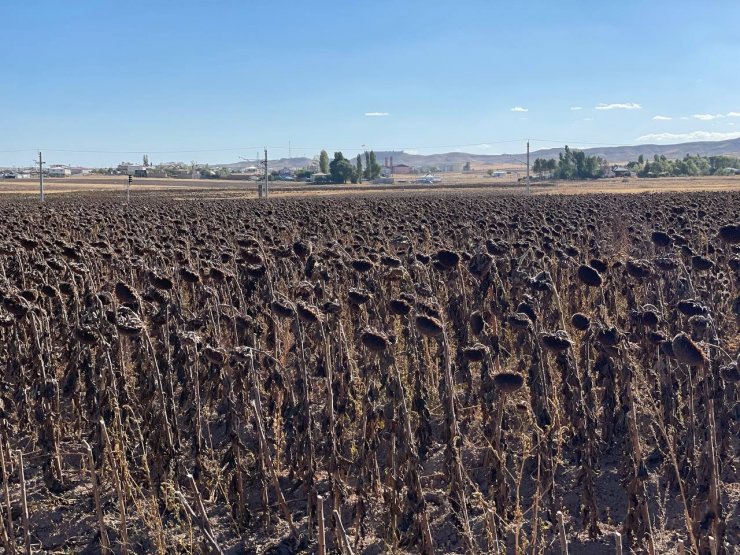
(400, 148)
(142, 151)
(230, 149)
(290, 148)
(577, 142)
(512, 157)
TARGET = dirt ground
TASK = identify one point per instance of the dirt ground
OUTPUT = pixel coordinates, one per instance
(452, 183)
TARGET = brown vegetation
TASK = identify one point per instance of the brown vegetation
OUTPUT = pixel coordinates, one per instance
(422, 374)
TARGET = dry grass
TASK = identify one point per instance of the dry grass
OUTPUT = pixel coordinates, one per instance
(452, 182)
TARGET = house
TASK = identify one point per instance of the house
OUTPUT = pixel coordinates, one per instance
(401, 169)
(621, 171)
(320, 178)
(16, 175)
(136, 171)
(59, 171)
(178, 173)
(286, 174)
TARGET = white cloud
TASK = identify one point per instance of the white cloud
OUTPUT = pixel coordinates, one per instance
(519, 109)
(733, 114)
(574, 108)
(619, 106)
(377, 114)
(588, 119)
(692, 136)
(707, 117)
(662, 118)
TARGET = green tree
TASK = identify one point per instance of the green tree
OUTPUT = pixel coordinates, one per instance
(324, 162)
(341, 169)
(566, 165)
(538, 166)
(146, 160)
(358, 170)
(574, 164)
(373, 166)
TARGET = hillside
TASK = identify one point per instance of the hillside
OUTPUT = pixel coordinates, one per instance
(614, 154)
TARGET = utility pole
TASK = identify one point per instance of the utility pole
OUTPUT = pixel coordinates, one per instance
(527, 167)
(41, 177)
(263, 189)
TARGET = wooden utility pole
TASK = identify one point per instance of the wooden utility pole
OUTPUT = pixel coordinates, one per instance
(527, 167)
(41, 177)
(265, 186)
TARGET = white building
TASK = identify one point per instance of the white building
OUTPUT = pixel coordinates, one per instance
(136, 170)
(59, 171)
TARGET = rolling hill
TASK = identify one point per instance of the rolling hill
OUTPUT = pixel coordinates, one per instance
(615, 154)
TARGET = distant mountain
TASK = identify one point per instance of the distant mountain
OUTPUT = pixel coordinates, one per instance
(615, 154)
(278, 164)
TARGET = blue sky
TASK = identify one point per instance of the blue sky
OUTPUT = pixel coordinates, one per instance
(214, 80)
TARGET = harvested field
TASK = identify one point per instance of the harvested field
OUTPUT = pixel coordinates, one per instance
(459, 183)
(446, 372)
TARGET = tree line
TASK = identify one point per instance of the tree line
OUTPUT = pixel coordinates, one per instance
(688, 166)
(575, 164)
(571, 164)
(342, 170)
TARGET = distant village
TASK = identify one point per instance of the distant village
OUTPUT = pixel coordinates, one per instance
(280, 170)
(573, 165)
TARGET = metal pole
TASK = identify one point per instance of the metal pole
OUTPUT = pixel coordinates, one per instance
(527, 167)
(41, 177)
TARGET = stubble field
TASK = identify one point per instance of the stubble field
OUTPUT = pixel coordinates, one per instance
(454, 182)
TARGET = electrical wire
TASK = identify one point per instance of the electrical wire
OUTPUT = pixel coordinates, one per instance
(404, 149)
